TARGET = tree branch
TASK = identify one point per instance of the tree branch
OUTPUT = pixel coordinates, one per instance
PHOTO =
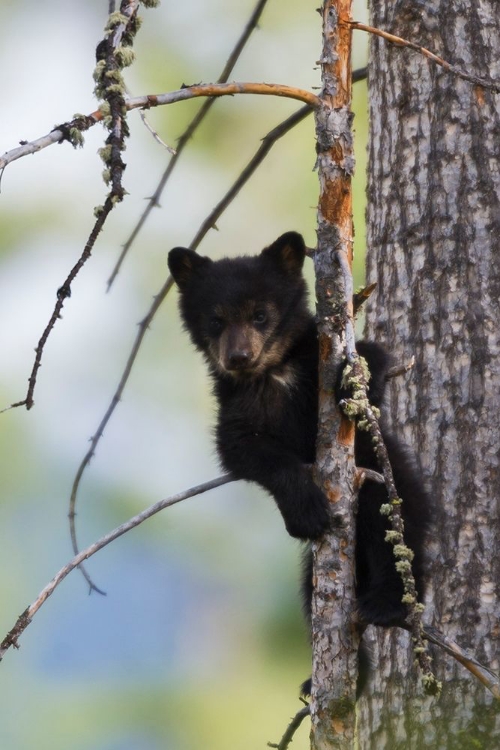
(63, 292)
(153, 201)
(292, 728)
(12, 637)
(394, 372)
(485, 675)
(486, 83)
(82, 123)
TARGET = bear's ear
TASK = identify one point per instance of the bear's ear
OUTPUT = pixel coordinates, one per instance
(288, 251)
(183, 263)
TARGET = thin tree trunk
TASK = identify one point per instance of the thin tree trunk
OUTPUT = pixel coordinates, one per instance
(434, 251)
(335, 640)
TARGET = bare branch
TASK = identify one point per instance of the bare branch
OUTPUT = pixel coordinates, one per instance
(485, 675)
(155, 135)
(63, 292)
(394, 372)
(360, 297)
(58, 135)
(362, 475)
(12, 637)
(187, 135)
(292, 728)
(222, 89)
(155, 100)
(486, 83)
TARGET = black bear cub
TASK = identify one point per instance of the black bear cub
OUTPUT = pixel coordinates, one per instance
(249, 317)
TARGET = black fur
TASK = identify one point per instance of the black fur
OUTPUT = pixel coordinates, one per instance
(249, 317)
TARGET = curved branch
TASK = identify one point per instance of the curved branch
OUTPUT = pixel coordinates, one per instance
(12, 637)
(223, 89)
(83, 123)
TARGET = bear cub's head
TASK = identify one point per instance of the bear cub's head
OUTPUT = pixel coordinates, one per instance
(244, 313)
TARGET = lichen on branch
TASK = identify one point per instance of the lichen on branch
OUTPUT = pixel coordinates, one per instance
(355, 380)
(113, 54)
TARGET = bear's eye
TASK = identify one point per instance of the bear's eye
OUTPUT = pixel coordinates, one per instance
(215, 325)
(260, 317)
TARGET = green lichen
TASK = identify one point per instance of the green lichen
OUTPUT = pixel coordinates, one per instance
(392, 536)
(409, 599)
(115, 88)
(105, 153)
(76, 137)
(104, 109)
(114, 75)
(432, 686)
(115, 19)
(403, 552)
(403, 567)
(99, 70)
(124, 56)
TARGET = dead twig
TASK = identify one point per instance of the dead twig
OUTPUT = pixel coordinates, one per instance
(12, 637)
(394, 372)
(63, 293)
(155, 135)
(292, 728)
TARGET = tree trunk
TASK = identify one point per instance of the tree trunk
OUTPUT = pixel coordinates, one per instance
(433, 249)
(334, 636)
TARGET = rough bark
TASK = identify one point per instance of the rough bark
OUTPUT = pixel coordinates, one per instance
(335, 641)
(433, 249)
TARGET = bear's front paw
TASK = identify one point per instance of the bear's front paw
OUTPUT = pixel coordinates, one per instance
(311, 516)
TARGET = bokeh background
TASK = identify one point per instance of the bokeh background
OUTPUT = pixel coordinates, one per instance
(199, 641)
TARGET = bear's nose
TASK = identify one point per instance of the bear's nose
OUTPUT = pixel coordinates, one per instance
(238, 359)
